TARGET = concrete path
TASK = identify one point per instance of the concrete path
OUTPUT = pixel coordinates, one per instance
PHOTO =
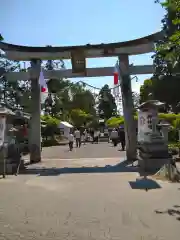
(89, 150)
(88, 198)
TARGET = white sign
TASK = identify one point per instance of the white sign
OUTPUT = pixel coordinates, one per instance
(144, 125)
(2, 129)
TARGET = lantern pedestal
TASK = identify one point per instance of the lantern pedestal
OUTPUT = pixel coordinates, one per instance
(152, 148)
(9, 148)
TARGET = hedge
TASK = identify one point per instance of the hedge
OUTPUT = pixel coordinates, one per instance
(172, 118)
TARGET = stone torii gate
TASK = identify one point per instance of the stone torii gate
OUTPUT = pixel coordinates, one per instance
(78, 55)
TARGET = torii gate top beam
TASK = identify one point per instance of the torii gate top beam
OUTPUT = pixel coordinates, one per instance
(133, 47)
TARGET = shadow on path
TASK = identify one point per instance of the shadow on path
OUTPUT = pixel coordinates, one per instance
(124, 166)
(144, 184)
(175, 212)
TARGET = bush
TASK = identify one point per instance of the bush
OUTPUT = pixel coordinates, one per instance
(176, 123)
(115, 121)
(173, 135)
(51, 126)
(50, 121)
(79, 117)
(172, 118)
(168, 117)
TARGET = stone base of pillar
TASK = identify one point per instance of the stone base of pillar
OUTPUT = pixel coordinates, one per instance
(11, 167)
(152, 165)
(131, 154)
(10, 159)
(35, 153)
(152, 156)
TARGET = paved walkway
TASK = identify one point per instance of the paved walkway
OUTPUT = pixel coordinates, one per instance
(87, 198)
(101, 150)
(89, 150)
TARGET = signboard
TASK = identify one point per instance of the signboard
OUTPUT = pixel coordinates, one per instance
(78, 62)
(144, 125)
(2, 129)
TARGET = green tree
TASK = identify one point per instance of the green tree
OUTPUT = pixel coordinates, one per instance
(79, 117)
(167, 57)
(85, 101)
(56, 87)
(165, 83)
(51, 126)
(146, 90)
(115, 121)
(107, 105)
(64, 96)
(12, 94)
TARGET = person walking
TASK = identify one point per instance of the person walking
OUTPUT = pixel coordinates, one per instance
(77, 135)
(114, 137)
(122, 138)
(85, 135)
(71, 141)
(96, 136)
(92, 135)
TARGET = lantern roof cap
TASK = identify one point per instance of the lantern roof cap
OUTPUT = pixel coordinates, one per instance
(151, 104)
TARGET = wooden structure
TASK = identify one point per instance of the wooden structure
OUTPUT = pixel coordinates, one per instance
(78, 55)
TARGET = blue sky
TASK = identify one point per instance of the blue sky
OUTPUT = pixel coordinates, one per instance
(75, 22)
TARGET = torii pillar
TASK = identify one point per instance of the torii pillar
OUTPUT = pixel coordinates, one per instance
(128, 107)
(35, 123)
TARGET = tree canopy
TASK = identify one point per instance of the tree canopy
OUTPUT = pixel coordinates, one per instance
(65, 98)
(165, 83)
(107, 105)
(167, 57)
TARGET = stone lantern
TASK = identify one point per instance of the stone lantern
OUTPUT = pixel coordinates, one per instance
(5, 125)
(153, 147)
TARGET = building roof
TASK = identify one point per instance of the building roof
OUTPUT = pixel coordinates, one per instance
(6, 111)
(66, 124)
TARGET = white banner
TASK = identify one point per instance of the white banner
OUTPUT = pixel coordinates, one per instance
(2, 129)
(144, 125)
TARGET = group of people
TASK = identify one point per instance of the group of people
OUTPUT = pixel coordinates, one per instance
(78, 137)
(116, 136)
(82, 137)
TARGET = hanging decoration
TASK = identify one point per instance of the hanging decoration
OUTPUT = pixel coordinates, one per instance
(116, 74)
